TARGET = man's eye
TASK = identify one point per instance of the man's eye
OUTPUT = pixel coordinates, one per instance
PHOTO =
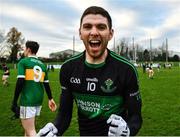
(101, 27)
(87, 26)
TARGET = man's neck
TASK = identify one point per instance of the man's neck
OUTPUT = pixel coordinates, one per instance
(98, 60)
(31, 55)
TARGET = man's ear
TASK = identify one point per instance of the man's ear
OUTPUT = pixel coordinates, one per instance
(29, 50)
(80, 33)
(111, 34)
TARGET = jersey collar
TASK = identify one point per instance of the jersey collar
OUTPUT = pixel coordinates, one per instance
(96, 65)
(33, 56)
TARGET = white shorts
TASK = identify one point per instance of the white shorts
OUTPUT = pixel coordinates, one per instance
(29, 112)
(150, 71)
(5, 76)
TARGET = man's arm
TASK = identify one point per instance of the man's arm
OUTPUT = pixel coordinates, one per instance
(133, 103)
(134, 121)
(130, 123)
(51, 102)
(63, 117)
(7, 71)
(48, 90)
(18, 89)
(64, 114)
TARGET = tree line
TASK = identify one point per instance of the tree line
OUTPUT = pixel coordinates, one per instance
(136, 52)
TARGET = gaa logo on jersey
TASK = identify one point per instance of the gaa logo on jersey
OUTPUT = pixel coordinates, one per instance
(75, 80)
(108, 87)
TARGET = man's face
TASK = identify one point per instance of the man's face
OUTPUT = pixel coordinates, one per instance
(95, 34)
(26, 51)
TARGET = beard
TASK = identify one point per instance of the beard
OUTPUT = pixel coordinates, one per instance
(96, 52)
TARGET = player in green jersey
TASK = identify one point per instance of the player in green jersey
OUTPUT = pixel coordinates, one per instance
(32, 79)
(103, 84)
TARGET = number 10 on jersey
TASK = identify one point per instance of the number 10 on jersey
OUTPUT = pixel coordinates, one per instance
(91, 86)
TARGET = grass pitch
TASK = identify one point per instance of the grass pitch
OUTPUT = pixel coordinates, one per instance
(160, 110)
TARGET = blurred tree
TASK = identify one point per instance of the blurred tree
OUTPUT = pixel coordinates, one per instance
(123, 47)
(2, 37)
(4, 51)
(176, 58)
(16, 40)
(146, 55)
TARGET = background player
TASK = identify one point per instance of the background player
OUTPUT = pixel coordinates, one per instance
(103, 85)
(5, 75)
(32, 75)
(150, 72)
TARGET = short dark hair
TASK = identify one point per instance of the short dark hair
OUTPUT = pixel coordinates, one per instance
(33, 45)
(97, 10)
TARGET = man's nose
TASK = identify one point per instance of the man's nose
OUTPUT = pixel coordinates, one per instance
(94, 31)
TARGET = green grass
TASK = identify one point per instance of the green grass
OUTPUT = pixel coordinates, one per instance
(160, 110)
(161, 103)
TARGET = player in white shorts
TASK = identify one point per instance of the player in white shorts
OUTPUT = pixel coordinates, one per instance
(29, 112)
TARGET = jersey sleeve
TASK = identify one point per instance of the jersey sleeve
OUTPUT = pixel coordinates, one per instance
(46, 84)
(64, 114)
(21, 69)
(133, 102)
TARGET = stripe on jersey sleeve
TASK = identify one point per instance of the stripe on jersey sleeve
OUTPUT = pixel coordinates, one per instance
(21, 76)
(46, 81)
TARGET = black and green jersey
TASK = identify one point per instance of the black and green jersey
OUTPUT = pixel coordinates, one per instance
(99, 91)
(34, 72)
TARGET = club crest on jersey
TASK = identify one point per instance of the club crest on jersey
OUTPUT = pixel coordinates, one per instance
(108, 86)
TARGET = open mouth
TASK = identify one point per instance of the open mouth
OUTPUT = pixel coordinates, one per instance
(94, 43)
